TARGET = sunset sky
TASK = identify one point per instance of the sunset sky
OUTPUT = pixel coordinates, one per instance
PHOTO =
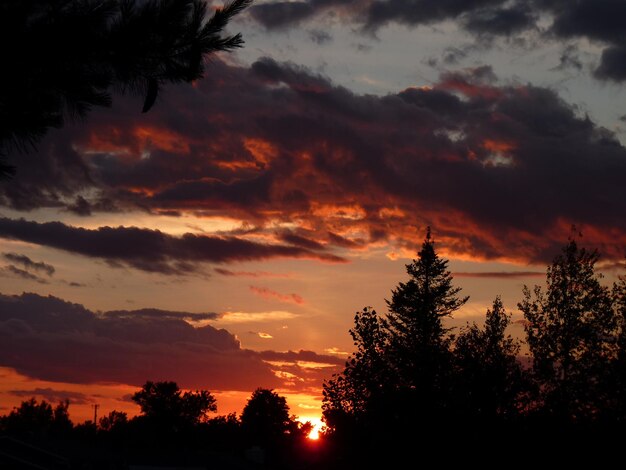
(225, 239)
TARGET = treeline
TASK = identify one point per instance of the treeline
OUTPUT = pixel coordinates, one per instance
(414, 390)
(174, 429)
(413, 381)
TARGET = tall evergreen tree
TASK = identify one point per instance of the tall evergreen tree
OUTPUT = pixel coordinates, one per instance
(419, 341)
(401, 369)
(570, 330)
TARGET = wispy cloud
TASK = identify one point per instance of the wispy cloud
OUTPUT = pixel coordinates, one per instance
(13, 271)
(54, 396)
(29, 264)
(244, 317)
(262, 334)
(270, 294)
(228, 272)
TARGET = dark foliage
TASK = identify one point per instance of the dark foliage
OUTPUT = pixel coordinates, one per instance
(165, 406)
(401, 373)
(37, 421)
(570, 330)
(490, 385)
(63, 57)
(265, 417)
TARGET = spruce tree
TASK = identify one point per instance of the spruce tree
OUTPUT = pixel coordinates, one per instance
(419, 341)
(401, 370)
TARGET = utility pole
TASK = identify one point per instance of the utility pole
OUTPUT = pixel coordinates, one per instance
(95, 407)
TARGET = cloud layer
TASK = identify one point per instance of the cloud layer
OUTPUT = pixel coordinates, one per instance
(599, 21)
(500, 170)
(150, 250)
(50, 339)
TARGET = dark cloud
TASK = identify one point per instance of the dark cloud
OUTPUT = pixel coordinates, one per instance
(284, 14)
(600, 20)
(29, 264)
(29, 270)
(13, 271)
(613, 64)
(50, 339)
(301, 355)
(500, 21)
(149, 250)
(49, 175)
(570, 59)
(299, 240)
(320, 37)
(281, 14)
(596, 20)
(451, 56)
(54, 396)
(419, 12)
(499, 170)
(75, 284)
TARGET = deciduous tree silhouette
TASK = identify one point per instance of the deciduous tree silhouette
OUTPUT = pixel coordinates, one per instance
(570, 330)
(358, 396)
(165, 406)
(34, 420)
(63, 57)
(618, 379)
(265, 418)
(489, 379)
(114, 421)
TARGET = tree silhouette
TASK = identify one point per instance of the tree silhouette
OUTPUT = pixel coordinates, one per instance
(114, 421)
(401, 371)
(34, 420)
(63, 57)
(618, 379)
(358, 395)
(165, 406)
(265, 418)
(570, 330)
(489, 378)
(419, 342)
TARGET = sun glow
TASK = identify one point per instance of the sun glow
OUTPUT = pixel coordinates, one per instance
(317, 427)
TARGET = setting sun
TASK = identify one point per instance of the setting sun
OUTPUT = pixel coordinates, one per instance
(317, 427)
